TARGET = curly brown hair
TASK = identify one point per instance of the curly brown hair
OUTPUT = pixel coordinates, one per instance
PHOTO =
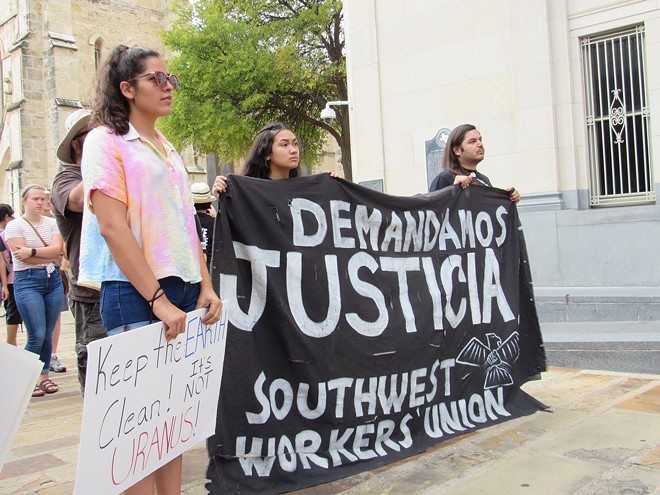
(110, 106)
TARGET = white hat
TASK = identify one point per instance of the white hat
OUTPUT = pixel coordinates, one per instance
(74, 123)
(201, 193)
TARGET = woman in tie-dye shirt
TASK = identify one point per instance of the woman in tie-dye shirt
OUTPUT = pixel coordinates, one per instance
(139, 241)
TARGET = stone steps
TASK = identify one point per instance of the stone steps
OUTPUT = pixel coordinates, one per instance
(584, 304)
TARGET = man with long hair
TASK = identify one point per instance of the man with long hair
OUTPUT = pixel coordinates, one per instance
(464, 151)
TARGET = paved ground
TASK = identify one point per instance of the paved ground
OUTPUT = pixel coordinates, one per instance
(600, 437)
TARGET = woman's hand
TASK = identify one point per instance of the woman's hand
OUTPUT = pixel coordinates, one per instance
(513, 194)
(465, 180)
(172, 317)
(23, 253)
(219, 185)
(208, 298)
(5, 293)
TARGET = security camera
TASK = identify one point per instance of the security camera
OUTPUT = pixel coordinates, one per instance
(328, 115)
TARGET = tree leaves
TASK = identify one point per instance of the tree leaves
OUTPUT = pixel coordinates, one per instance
(244, 63)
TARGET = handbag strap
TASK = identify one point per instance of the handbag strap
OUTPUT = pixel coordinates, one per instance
(36, 232)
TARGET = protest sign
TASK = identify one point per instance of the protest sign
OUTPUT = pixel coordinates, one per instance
(364, 327)
(22, 371)
(147, 401)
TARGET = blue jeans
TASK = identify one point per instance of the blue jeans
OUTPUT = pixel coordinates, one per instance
(39, 297)
(123, 308)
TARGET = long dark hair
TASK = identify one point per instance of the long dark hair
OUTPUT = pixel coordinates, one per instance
(110, 106)
(5, 210)
(450, 160)
(256, 164)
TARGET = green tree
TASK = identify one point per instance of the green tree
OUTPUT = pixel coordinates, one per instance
(244, 63)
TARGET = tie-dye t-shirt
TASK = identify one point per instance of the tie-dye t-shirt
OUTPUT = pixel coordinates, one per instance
(159, 206)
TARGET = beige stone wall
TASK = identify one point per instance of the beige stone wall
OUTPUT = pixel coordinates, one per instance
(13, 29)
(511, 67)
(107, 22)
(329, 160)
(48, 56)
(48, 61)
(34, 111)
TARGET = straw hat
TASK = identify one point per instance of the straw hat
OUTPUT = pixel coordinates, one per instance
(75, 123)
(201, 193)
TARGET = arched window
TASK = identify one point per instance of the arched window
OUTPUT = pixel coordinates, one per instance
(98, 44)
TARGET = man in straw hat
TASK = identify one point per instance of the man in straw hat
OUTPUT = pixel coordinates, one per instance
(67, 197)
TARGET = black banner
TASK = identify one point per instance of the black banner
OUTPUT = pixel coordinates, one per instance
(364, 328)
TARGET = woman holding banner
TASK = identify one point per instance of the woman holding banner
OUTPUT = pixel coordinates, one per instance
(139, 240)
(274, 154)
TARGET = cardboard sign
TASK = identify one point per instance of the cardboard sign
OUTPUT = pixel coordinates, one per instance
(16, 387)
(147, 401)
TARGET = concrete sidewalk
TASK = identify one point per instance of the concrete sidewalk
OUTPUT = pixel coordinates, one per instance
(601, 436)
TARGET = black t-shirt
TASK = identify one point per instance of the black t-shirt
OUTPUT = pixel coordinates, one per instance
(70, 225)
(8, 259)
(207, 223)
(446, 179)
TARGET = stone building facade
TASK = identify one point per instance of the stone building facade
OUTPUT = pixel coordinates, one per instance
(567, 97)
(49, 53)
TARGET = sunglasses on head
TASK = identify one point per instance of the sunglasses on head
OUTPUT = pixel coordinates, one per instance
(161, 78)
(273, 127)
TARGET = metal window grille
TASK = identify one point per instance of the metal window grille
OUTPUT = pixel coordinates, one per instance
(618, 118)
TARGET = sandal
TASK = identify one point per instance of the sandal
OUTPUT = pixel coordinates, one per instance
(48, 386)
(38, 391)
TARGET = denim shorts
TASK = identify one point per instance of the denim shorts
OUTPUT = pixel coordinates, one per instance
(123, 306)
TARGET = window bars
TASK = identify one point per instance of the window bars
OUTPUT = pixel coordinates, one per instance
(617, 118)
